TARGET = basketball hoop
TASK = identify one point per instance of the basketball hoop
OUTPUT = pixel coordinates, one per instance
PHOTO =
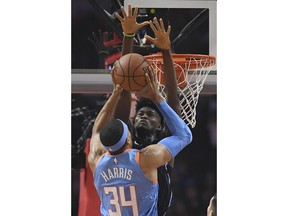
(191, 73)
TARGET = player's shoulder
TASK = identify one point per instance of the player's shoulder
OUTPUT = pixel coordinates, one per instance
(151, 150)
(147, 149)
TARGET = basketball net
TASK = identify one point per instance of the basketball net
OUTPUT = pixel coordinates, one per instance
(191, 73)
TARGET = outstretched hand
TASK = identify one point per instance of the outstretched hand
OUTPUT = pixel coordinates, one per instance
(129, 23)
(162, 37)
(151, 91)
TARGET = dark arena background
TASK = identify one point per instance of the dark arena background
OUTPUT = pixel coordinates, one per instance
(96, 45)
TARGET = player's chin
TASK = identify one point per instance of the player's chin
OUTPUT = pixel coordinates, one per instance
(142, 126)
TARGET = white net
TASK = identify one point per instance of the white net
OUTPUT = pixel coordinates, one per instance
(191, 75)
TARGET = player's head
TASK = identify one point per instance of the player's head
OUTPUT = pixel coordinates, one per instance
(211, 210)
(115, 136)
(148, 123)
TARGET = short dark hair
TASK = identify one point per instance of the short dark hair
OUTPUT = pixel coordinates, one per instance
(111, 133)
(145, 102)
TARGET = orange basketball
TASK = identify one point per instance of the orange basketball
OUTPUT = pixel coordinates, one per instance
(129, 72)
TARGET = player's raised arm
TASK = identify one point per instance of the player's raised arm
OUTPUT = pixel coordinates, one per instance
(157, 155)
(106, 114)
(129, 26)
(162, 41)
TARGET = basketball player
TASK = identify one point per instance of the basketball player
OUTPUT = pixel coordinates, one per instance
(211, 210)
(126, 178)
(148, 124)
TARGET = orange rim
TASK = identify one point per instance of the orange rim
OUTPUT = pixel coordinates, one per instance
(181, 59)
(181, 62)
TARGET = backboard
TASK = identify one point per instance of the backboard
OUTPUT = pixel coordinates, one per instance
(178, 8)
(193, 32)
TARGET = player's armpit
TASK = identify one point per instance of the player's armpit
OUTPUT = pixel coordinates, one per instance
(96, 150)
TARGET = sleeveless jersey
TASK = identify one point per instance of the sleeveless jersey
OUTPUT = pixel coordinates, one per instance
(122, 187)
(165, 192)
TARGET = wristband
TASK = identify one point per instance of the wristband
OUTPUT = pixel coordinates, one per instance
(127, 35)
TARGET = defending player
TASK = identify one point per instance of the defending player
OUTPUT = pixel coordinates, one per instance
(148, 126)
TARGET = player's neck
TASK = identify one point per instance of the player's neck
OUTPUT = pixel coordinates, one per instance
(144, 137)
(143, 141)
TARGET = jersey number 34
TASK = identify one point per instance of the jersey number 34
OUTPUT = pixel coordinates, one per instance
(120, 201)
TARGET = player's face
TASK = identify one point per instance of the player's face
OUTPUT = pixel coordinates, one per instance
(147, 118)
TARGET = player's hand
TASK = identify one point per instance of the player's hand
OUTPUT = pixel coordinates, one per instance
(129, 23)
(114, 68)
(162, 37)
(151, 91)
(117, 89)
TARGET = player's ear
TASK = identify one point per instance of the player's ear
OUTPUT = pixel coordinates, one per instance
(129, 140)
(160, 129)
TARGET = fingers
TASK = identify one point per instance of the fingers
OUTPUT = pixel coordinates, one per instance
(149, 83)
(157, 24)
(152, 27)
(112, 74)
(151, 89)
(147, 77)
(150, 39)
(144, 24)
(118, 88)
(162, 24)
(129, 10)
(123, 12)
(113, 80)
(135, 12)
(119, 17)
(153, 77)
(169, 30)
(150, 73)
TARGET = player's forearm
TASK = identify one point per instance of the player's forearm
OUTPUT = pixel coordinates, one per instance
(181, 134)
(169, 70)
(173, 121)
(170, 81)
(127, 46)
(123, 106)
(106, 112)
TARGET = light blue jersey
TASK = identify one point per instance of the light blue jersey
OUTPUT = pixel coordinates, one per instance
(122, 187)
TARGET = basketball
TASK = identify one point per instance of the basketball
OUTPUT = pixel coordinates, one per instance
(129, 72)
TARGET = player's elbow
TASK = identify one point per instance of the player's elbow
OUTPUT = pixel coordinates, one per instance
(186, 135)
(189, 135)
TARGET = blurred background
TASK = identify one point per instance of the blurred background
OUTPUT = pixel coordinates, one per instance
(97, 33)
(96, 45)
